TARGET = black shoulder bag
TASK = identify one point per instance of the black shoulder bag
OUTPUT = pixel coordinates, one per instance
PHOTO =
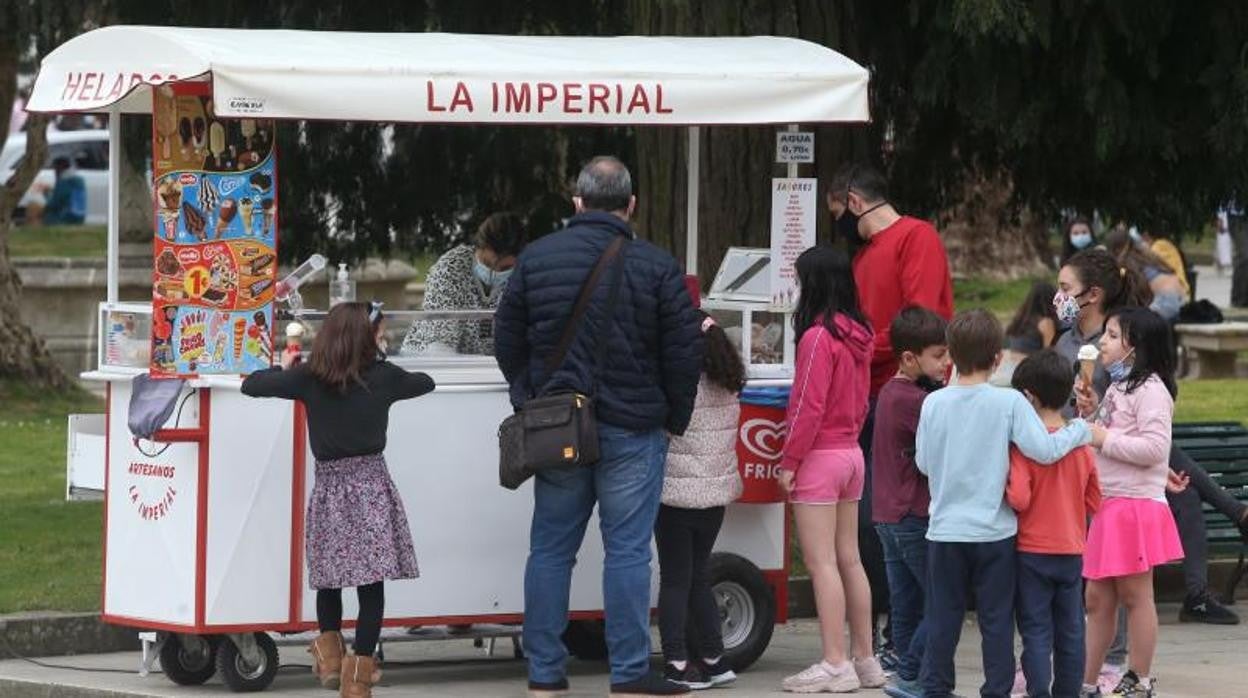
(559, 430)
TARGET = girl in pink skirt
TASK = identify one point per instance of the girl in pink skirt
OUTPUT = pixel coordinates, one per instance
(357, 531)
(1134, 530)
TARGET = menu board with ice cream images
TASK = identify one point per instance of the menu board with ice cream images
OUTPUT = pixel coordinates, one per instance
(215, 255)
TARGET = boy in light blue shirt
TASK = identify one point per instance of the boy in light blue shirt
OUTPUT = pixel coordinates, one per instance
(962, 446)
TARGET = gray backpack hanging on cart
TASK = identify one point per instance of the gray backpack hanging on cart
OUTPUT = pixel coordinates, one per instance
(151, 403)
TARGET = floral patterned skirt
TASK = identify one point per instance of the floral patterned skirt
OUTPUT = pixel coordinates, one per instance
(357, 530)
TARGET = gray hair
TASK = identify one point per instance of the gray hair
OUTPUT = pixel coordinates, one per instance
(604, 185)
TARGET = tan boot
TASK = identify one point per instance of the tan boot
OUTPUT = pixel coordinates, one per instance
(359, 675)
(327, 651)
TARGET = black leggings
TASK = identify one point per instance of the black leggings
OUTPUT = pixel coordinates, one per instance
(684, 538)
(368, 626)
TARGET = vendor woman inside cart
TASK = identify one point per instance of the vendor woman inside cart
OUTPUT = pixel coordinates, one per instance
(468, 277)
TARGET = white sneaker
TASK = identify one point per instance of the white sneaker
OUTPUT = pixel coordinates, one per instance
(870, 673)
(823, 678)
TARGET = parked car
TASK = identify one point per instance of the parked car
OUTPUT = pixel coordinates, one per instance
(88, 150)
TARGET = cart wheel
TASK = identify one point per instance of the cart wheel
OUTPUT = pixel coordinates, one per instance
(242, 676)
(586, 639)
(747, 608)
(189, 660)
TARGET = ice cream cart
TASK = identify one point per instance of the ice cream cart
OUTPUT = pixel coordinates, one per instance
(203, 534)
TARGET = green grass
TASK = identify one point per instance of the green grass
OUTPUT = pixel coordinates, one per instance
(59, 241)
(49, 548)
(1000, 297)
(1212, 401)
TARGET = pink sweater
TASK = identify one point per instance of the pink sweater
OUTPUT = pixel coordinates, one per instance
(1135, 458)
(831, 383)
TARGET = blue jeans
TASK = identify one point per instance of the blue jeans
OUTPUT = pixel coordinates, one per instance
(1050, 619)
(905, 561)
(989, 570)
(626, 484)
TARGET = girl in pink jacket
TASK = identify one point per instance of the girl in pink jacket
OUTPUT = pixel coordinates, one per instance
(1133, 531)
(823, 469)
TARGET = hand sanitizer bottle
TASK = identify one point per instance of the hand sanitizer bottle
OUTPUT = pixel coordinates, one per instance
(341, 288)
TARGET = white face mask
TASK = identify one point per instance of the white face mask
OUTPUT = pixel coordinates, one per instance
(1080, 241)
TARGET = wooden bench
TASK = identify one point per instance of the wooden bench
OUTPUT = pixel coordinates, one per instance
(1214, 347)
(1221, 448)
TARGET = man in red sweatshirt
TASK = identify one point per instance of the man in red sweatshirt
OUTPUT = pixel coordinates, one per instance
(899, 261)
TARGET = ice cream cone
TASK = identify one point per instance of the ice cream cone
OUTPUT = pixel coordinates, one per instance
(245, 209)
(1088, 355)
(240, 333)
(226, 215)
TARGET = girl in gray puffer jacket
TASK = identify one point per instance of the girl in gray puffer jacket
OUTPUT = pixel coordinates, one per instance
(701, 479)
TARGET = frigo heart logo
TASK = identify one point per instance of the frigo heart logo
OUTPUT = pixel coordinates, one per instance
(229, 184)
(763, 437)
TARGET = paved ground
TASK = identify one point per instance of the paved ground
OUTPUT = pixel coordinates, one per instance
(1193, 661)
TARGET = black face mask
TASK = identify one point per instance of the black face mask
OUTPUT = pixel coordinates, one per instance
(847, 226)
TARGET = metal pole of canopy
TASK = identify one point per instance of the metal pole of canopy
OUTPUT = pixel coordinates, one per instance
(790, 347)
(114, 199)
(693, 159)
(792, 173)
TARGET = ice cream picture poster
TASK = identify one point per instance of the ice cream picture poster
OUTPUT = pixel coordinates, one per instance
(201, 342)
(215, 243)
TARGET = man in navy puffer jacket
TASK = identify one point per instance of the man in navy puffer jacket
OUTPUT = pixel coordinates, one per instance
(644, 390)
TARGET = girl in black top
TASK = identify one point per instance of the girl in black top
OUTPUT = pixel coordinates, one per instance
(357, 532)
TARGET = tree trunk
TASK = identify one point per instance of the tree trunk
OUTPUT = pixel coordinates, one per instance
(987, 237)
(136, 204)
(737, 163)
(23, 355)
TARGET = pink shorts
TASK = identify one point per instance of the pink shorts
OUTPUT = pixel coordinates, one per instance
(829, 477)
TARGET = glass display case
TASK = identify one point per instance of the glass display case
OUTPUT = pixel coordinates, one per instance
(125, 339)
(739, 298)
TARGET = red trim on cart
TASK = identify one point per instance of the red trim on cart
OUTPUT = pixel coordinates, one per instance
(201, 510)
(779, 582)
(297, 498)
(416, 621)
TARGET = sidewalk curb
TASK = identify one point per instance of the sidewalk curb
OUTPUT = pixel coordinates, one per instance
(15, 688)
(52, 634)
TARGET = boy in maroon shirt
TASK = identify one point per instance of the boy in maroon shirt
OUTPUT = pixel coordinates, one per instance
(899, 498)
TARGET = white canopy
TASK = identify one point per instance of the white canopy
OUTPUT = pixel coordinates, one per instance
(460, 78)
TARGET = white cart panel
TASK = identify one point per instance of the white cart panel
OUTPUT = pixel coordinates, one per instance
(151, 513)
(247, 576)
